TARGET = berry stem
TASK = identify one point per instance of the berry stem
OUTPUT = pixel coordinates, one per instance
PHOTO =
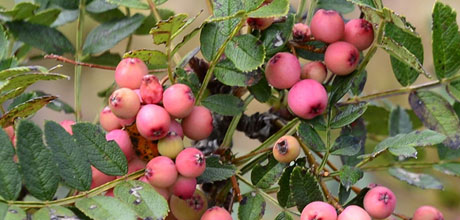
(403, 217)
(130, 39)
(78, 57)
(236, 187)
(332, 200)
(250, 155)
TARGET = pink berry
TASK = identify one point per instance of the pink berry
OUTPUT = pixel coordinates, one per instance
(100, 178)
(427, 213)
(189, 209)
(184, 187)
(260, 23)
(341, 58)
(216, 212)
(318, 211)
(161, 172)
(176, 128)
(307, 99)
(354, 212)
(129, 73)
(108, 120)
(124, 103)
(153, 122)
(286, 149)
(283, 70)
(109, 193)
(178, 100)
(301, 32)
(123, 140)
(171, 145)
(360, 33)
(151, 90)
(67, 125)
(327, 26)
(380, 202)
(126, 122)
(138, 92)
(190, 162)
(198, 125)
(136, 164)
(314, 70)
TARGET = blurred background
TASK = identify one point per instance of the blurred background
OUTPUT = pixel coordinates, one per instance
(418, 12)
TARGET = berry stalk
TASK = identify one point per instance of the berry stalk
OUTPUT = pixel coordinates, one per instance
(78, 57)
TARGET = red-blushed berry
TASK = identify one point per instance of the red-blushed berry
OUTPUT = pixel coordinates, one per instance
(301, 32)
(215, 213)
(189, 209)
(360, 33)
(108, 120)
(171, 145)
(136, 164)
(427, 213)
(190, 162)
(99, 178)
(161, 172)
(151, 90)
(67, 125)
(184, 187)
(286, 149)
(380, 202)
(283, 70)
(109, 193)
(341, 58)
(153, 122)
(354, 212)
(178, 100)
(307, 99)
(176, 128)
(260, 23)
(318, 211)
(121, 137)
(138, 92)
(129, 73)
(327, 26)
(126, 122)
(124, 103)
(314, 70)
(198, 124)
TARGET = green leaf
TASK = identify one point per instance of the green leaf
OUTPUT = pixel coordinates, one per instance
(36, 161)
(11, 94)
(448, 168)
(12, 212)
(154, 59)
(167, 30)
(311, 55)
(108, 16)
(346, 145)
(310, 137)
(143, 199)
(107, 35)
(264, 176)
(99, 6)
(226, 8)
(25, 80)
(348, 115)
(349, 176)
(189, 79)
(375, 117)
(210, 40)
(10, 180)
(364, 3)
(437, 114)
(453, 88)
(304, 187)
(67, 4)
(446, 41)
(150, 21)
(261, 91)
(53, 211)
(66, 16)
(106, 156)
(250, 5)
(226, 72)
(341, 86)
(275, 9)
(106, 59)
(246, 52)
(358, 84)
(400, 122)
(186, 39)
(105, 207)
(284, 195)
(4, 43)
(25, 109)
(447, 153)
(6, 73)
(420, 180)
(359, 199)
(44, 38)
(46, 17)
(223, 104)
(21, 11)
(344, 194)
(216, 171)
(356, 130)
(277, 35)
(135, 4)
(284, 216)
(252, 207)
(399, 22)
(74, 168)
(341, 6)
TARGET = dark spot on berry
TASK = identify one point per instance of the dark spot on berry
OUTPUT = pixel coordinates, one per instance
(365, 25)
(353, 58)
(316, 109)
(385, 197)
(275, 58)
(282, 147)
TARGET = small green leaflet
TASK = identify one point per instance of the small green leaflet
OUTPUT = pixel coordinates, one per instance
(216, 171)
(154, 59)
(420, 180)
(246, 52)
(105, 207)
(265, 176)
(276, 8)
(304, 187)
(252, 207)
(25, 109)
(224, 104)
(10, 180)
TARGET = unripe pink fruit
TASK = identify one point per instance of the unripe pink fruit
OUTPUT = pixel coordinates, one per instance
(161, 172)
(301, 32)
(380, 202)
(360, 33)
(354, 212)
(178, 100)
(151, 90)
(314, 70)
(307, 99)
(327, 26)
(190, 162)
(318, 211)
(108, 120)
(124, 103)
(283, 70)
(260, 23)
(189, 209)
(67, 125)
(341, 58)
(171, 145)
(286, 149)
(123, 140)
(427, 213)
(184, 187)
(136, 164)
(99, 178)
(216, 212)
(153, 122)
(129, 73)
(176, 128)
(198, 125)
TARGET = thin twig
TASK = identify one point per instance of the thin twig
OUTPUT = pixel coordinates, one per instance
(236, 188)
(329, 196)
(251, 154)
(401, 216)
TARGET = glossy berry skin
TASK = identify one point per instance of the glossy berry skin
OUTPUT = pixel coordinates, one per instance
(314, 70)
(283, 70)
(153, 122)
(380, 202)
(126, 122)
(260, 23)
(286, 149)
(189, 209)
(176, 128)
(129, 73)
(360, 33)
(341, 58)
(190, 162)
(354, 212)
(161, 172)
(184, 187)
(99, 178)
(307, 99)
(178, 100)
(327, 26)
(216, 212)
(171, 145)
(124, 103)
(301, 32)
(427, 213)
(198, 125)
(318, 211)
(108, 120)
(121, 137)
(67, 125)
(151, 90)
(136, 164)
